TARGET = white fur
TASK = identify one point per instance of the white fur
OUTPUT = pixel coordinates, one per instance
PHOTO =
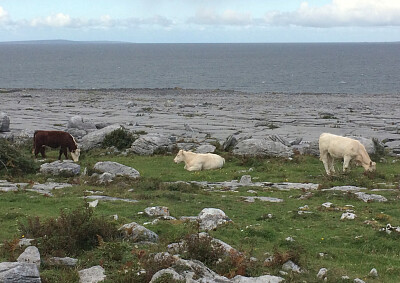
(75, 154)
(333, 146)
(199, 161)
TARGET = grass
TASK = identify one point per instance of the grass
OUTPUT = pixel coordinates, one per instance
(350, 247)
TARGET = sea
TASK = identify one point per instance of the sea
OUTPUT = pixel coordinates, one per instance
(360, 68)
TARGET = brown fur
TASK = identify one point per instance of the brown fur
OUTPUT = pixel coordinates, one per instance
(53, 139)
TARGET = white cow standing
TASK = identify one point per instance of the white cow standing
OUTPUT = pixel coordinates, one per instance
(333, 146)
(199, 161)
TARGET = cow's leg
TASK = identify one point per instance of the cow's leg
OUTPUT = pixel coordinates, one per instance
(346, 162)
(331, 163)
(63, 150)
(37, 150)
(325, 159)
(42, 151)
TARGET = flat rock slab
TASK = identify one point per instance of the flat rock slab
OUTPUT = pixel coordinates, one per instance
(65, 168)
(116, 169)
(370, 197)
(266, 199)
(6, 186)
(345, 188)
(17, 272)
(107, 198)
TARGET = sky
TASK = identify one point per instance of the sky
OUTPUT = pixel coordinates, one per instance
(201, 21)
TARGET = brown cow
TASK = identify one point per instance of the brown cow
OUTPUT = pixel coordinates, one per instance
(55, 139)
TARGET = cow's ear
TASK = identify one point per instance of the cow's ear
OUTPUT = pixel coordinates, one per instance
(370, 163)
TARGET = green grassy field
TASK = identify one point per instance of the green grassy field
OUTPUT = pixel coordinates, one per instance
(350, 247)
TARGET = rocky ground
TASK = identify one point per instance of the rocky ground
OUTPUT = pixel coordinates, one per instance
(209, 113)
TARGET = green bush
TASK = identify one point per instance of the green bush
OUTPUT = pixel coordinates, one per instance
(70, 233)
(120, 138)
(14, 161)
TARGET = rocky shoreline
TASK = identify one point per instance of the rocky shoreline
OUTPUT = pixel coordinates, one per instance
(204, 114)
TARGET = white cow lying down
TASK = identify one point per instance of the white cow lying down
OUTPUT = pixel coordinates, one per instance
(199, 161)
(333, 146)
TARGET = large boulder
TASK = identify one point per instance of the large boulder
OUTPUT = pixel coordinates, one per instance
(367, 143)
(17, 272)
(211, 218)
(95, 138)
(138, 233)
(151, 144)
(262, 147)
(92, 275)
(65, 168)
(4, 122)
(30, 255)
(116, 169)
(77, 122)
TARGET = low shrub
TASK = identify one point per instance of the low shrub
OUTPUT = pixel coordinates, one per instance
(70, 233)
(120, 138)
(13, 161)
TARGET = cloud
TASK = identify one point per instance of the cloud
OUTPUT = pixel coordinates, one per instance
(3, 15)
(340, 13)
(228, 17)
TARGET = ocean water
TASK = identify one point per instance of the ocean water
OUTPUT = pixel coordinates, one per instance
(256, 68)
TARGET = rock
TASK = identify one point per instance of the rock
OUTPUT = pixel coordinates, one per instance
(260, 279)
(95, 138)
(93, 203)
(4, 122)
(311, 148)
(46, 188)
(65, 168)
(175, 275)
(267, 199)
(348, 215)
(24, 242)
(151, 144)
(30, 255)
(17, 272)
(277, 138)
(230, 142)
(322, 273)
(206, 148)
(157, 211)
(370, 197)
(367, 143)
(92, 275)
(211, 218)
(262, 147)
(116, 169)
(373, 273)
(196, 269)
(105, 178)
(291, 266)
(76, 122)
(358, 280)
(6, 186)
(138, 233)
(107, 198)
(62, 261)
(23, 136)
(245, 180)
(76, 133)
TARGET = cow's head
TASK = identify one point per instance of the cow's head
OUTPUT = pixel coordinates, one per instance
(179, 157)
(371, 167)
(75, 154)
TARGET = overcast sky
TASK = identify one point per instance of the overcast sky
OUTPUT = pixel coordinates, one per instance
(159, 21)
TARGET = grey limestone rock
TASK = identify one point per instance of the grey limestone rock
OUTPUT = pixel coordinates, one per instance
(205, 148)
(116, 169)
(260, 279)
(77, 122)
(138, 233)
(30, 255)
(157, 211)
(64, 168)
(95, 138)
(17, 272)
(62, 261)
(211, 218)
(262, 147)
(4, 122)
(151, 144)
(92, 275)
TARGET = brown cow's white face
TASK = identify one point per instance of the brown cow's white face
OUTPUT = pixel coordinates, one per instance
(75, 154)
(371, 167)
(179, 157)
